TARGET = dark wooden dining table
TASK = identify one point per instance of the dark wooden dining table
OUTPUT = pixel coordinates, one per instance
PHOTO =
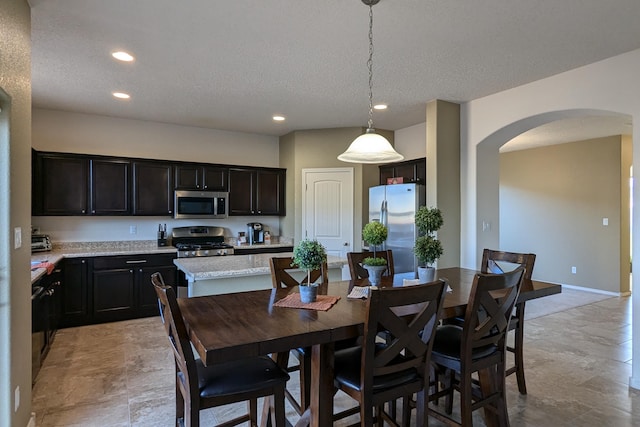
(246, 324)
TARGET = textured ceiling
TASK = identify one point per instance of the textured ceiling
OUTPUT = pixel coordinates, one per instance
(232, 64)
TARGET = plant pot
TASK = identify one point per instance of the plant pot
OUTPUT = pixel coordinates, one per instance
(426, 274)
(308, 293)
(375, 273)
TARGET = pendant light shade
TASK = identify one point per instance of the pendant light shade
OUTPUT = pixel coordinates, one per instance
(370, 147)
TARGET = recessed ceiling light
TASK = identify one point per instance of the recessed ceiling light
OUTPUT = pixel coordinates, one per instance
(122, 56)
(278, 118)
(380, 106)
(121, 95)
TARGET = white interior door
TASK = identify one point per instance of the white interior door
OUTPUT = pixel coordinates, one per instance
(327, 208)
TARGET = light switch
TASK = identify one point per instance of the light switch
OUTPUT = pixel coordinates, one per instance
(17, 237)
(605, 221)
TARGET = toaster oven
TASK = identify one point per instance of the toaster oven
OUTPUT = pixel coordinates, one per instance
(40, 243)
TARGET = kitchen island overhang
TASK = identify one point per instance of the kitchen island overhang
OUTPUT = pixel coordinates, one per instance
(239, 273)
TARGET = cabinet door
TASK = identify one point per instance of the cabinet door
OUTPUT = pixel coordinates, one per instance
(152, 188)
(215, 178)
(113, 295)
(64, 185)
(74, 298)
(147, 298)
(241, 192)
(269, 192)
(110, 183)
(188, 176)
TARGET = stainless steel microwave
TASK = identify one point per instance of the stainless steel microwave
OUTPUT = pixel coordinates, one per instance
(200, 204)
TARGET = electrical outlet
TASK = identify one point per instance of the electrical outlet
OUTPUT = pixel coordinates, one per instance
(605, 221)
(133, 229)
(17, 237)
(573, 270)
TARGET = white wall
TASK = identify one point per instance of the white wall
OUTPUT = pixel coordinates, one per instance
(91, 134)
(605, 87)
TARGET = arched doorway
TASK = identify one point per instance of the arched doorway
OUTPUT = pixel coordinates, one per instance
(616, 279)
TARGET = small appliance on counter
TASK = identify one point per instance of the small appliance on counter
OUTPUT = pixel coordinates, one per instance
(40, 243)
(255, 233)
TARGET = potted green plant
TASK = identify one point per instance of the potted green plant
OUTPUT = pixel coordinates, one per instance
(309, 255)
(427, 247)
(375, 233)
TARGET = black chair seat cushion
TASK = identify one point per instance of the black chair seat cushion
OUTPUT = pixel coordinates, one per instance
(447, 344)
(347, 365)
(239, 376)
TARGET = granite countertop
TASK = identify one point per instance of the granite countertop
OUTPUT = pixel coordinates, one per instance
(92, 249)
(222, 267)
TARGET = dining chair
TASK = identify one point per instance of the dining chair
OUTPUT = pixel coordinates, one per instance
(201, 387)
(281, 277)
(359, 272)
(377, 372)
(478, 346)
(494, 261)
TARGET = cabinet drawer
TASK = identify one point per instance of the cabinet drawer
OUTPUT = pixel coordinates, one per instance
(132, 261)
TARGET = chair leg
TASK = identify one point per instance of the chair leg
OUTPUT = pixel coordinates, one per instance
(278, 416)
(449, 381)
(422, 410)
(253, 411)
(519, 349)
(179, 405)
(466, 400)
(501, 404)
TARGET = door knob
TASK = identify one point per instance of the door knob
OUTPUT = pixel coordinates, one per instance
(346, 244)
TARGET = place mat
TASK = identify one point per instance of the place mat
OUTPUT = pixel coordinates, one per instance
(323, 302)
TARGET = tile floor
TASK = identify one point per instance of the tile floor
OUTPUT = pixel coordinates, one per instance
(578, 352)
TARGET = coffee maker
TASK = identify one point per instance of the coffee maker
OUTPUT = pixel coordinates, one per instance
(255, 234)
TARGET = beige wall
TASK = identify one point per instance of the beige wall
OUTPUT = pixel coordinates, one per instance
(320, 149)
(552, 202)
(15, 208)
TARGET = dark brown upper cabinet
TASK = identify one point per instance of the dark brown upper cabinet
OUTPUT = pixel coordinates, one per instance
(256, 191)
(410, 170)
(201, 177)
(67, 184)
(152, 188)
(110, 187)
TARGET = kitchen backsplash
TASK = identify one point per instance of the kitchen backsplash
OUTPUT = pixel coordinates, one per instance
(104, 229)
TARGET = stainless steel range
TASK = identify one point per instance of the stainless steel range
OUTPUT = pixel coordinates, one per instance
(197, 241)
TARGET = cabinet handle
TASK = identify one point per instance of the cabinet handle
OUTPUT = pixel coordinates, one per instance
(170, 212)
(141, 261)
(84, 211)
(83, 261)
(131, 271)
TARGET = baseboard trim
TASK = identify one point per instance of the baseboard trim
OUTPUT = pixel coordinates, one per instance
(596, 291)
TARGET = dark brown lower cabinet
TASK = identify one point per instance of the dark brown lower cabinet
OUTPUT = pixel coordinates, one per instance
(113, 288)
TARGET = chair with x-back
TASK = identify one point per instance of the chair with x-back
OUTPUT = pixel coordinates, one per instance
(200, 387)
(497, 262)
(476, 346)
(377, 372)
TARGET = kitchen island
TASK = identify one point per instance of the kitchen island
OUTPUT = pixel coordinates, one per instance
(238, 273)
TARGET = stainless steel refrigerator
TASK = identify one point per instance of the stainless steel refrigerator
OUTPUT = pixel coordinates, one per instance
(395, 206)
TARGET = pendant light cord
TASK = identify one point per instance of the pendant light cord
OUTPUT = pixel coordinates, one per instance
(370, 66)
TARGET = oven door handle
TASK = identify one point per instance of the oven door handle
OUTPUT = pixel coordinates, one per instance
(36, 291)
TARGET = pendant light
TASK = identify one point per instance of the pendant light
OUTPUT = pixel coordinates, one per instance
(370, 147)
